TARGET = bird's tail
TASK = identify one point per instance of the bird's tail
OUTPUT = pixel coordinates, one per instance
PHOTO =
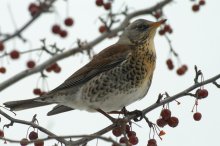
(24, 104)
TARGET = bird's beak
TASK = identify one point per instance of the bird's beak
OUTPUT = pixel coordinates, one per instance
(157, 24)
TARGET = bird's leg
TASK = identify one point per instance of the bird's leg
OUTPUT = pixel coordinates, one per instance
(138, 114)
(123, 111)
(106, 115)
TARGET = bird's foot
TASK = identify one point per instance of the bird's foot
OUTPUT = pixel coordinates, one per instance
(139, 115)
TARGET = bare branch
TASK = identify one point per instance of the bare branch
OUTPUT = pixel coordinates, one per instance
(26, 25)
(32, 124)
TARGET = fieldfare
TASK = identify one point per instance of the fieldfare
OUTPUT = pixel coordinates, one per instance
(116, 77)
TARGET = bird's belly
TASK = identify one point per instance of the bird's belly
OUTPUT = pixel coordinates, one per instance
(115, 99)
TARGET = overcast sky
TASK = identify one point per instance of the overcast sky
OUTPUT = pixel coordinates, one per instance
(196, 38)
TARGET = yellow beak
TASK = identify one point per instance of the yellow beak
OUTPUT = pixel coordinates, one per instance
(157, 24)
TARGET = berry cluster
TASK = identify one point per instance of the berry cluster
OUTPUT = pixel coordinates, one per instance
(131, 135)
(106, 6)
(180, 71)
(196, 6)
(54, 67)
(167, 119)
(166, 28)
(56, 29)
(32, 136)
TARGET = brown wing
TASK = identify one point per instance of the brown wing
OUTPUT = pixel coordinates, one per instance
(105, 60)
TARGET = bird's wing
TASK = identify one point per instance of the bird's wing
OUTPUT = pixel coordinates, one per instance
(105, 60)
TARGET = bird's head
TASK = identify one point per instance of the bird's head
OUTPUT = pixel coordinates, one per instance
(140, 31)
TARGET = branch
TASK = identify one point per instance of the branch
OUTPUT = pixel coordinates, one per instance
(87, 47)
(32, 124)
(63, 137)
(26, 25)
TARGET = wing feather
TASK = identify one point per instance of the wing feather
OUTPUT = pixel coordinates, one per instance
(105, 60)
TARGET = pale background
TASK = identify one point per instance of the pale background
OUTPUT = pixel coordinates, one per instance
(196, 38)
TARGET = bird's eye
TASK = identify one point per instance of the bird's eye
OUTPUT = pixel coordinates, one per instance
(142, 27)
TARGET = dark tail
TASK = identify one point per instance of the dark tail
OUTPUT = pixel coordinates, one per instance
(24, 104)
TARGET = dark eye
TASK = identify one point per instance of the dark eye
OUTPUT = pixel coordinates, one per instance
(142, 27)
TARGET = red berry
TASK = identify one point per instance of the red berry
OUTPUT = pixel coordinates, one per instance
(68, 21)
(24, 142)
(195, 7)
(99, 2)
(37, 91)
(152, 142)
(184, 67)
(57, 69)
(107, 6)
(102, 29)
(2, 47)
(202, 2)
(173, 121)
(167, 28)
(63, 33)
(162, 32)
(161, 122)
(202, 93)
(1, 133)
(197, 116)
(169, 63)
(56, 29)
(14, 54)
(133, 140)
(42, 93)
(165, 114)
(131, 133)
(157, 15)
(33, 135)
(31, 64)
(31, 6)
(117, 131)
(122, 140)
(39, 143)
(2, 70)
(180, 71)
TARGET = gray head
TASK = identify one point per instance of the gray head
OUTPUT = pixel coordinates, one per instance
(139, 31)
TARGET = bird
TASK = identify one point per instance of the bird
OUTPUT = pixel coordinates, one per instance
(116, 77)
